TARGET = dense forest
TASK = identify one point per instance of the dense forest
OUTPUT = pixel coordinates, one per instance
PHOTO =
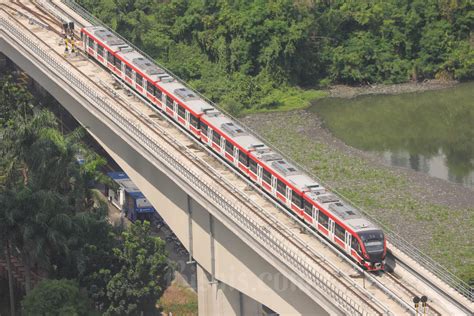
(55, 223)
(259, 54)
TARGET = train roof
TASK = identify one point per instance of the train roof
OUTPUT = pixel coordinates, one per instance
(144, 65)
(188, 97)
(232, 130)
(106, 36)
(302, 182)
(344, 212)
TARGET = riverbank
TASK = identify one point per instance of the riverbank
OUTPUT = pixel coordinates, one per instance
(348, 92)
(299, 99)
(433, 214)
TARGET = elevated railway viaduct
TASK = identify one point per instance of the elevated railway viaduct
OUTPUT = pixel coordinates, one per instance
(248, 253)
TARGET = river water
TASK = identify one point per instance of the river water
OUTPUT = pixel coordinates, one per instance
(431, 131)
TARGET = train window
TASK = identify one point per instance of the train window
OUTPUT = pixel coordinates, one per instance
(323, 219)
(204, 128)
(110, 58)
(128, 71)
(118, 63)
(158, 93)
(267, 176)
(181, 111)
(253, 166)
(91, 42)
(297, 200)
(216, 138)
(194, 121)
(308, 207)
(138, 79)
(243, 158)
(150, 87)
(355, 245)
(169, 102)
(339, 232)
(100, 50)
(281, 187)
(229, 148)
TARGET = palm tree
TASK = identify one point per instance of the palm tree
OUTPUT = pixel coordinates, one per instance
(8, 230)
(38, 167)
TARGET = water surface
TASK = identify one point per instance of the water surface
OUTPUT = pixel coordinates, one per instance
(432, 131)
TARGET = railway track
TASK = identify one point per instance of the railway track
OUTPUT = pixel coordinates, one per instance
(275, 225)
(231, 191)
(464, 292)
(439, 290)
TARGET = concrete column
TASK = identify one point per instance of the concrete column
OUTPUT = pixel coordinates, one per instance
(216, 298)
(206, 295)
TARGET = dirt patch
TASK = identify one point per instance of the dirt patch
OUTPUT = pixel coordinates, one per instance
(343, 91)
(179, 300)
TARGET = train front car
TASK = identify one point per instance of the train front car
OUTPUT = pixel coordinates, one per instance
(374, 249)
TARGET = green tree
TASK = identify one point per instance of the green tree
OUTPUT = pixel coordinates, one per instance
(8, 228)
(143, 275)
(44, 193)
(56, 297)
(245, 51)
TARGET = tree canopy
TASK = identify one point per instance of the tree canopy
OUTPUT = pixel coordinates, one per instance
(250, 54)
(51, 219)
(56, 297)
(143, 275)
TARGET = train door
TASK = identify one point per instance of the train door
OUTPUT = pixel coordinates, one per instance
(331, 229)
(175, 110)
(209, 136)
(84, 38)
(347, 241)
(259, 174)
(187, 117)
(163, 102)
(91, 46)
(288, 196)
(222, 145)
(315, 216)
(236, 156)
(274, 185)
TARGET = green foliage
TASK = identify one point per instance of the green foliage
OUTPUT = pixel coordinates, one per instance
(143, 274)
(46, 207)
(246, 55)
(56, 297)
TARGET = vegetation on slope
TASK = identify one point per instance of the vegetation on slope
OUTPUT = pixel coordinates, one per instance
(252, 54)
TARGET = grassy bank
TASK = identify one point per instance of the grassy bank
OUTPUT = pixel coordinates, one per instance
(289, 100)
(390, 196)
(179, 300)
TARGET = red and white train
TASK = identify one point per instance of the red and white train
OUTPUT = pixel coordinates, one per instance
(340, 223)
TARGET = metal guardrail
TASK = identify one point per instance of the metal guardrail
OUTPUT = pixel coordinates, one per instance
(254, 230)
(395, 239)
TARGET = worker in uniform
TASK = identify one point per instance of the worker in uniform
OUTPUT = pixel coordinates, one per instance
(66, 42)
(72, 43)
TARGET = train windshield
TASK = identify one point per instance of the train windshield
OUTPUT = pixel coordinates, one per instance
(373, 240)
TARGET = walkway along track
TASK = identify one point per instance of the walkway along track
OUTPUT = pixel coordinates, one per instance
(278, 227)
(319, 281)
(427, 265)
(290, 235)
